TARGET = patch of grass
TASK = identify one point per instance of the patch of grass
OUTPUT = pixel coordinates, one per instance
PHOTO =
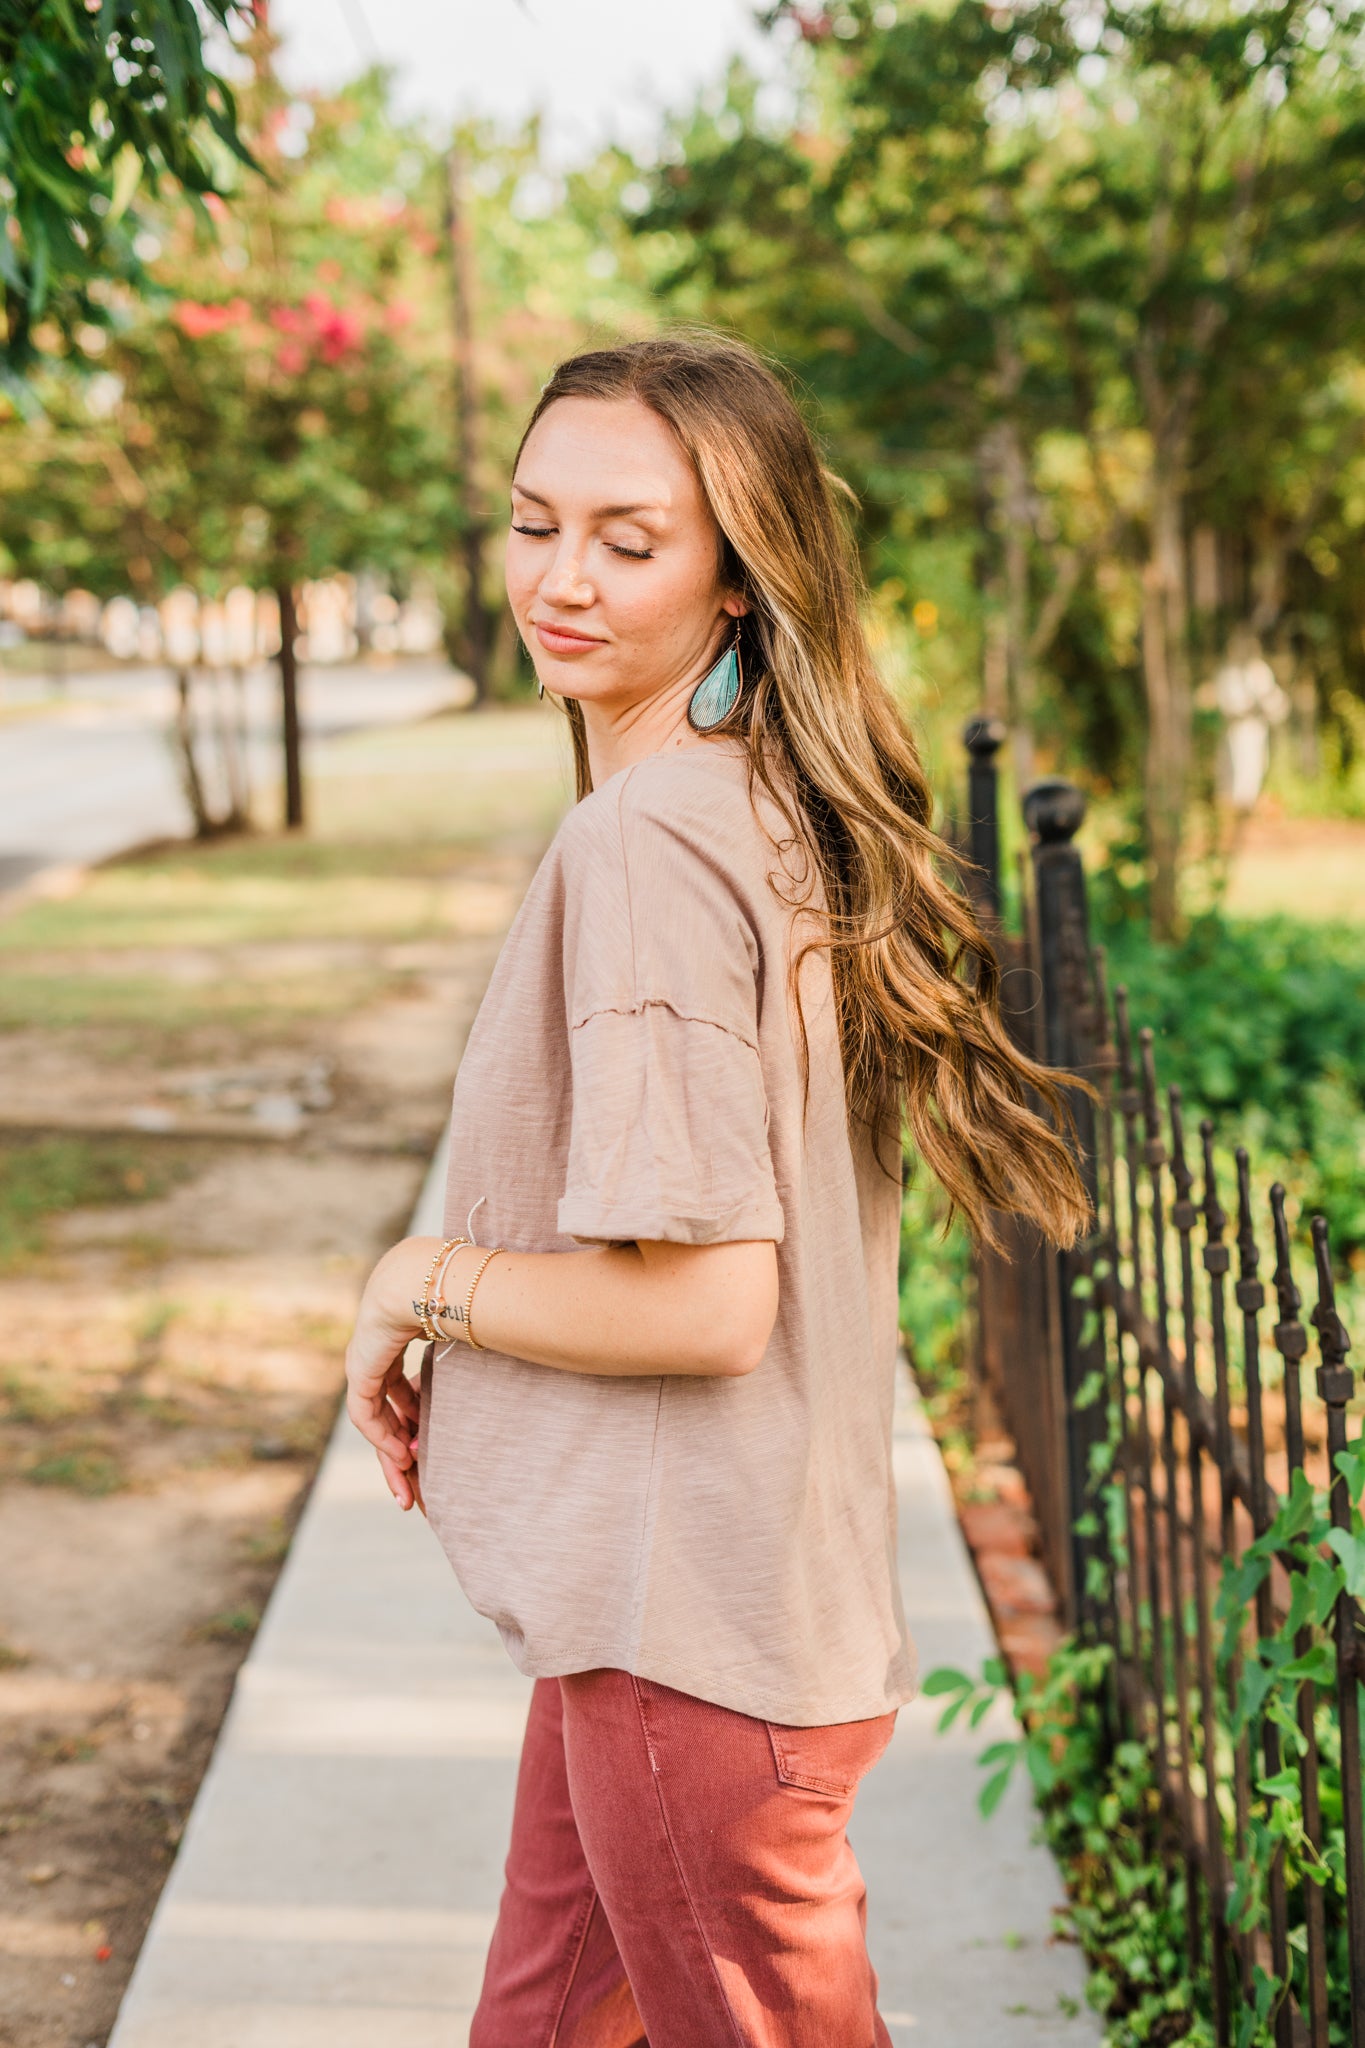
(87, 1467)
(259, 894)
(165, 1010)
(232, 1625)
(42, 1177)
(155, 1319)
(12, 1659)
(268, 1546)
(454, 780)
(64, 1749)
(161, 1409)
(38, 1396)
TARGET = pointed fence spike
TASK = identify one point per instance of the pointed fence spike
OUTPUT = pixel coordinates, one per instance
(1180, 1165)
(1289, 1335)
(1100, 961)
(1125, 1035)
(1246, 1232)
(1149, 1109)
(1333, 1338)
(1290, 1299)
(1215, 1216)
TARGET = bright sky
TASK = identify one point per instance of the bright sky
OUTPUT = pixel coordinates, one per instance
(601, 70)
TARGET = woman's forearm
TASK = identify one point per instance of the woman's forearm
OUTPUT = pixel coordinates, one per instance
(704, 1310)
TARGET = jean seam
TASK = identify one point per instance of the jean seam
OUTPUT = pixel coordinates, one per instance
(580, 1942)
(678, 1866)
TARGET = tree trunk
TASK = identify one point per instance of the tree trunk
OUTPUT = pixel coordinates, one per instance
(1165, 668)
(289, 707)
(190, 778)
(477, 639)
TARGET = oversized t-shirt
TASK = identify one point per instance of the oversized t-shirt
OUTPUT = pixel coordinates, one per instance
(636, 1072)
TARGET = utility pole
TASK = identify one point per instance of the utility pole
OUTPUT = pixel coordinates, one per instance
(478, 622)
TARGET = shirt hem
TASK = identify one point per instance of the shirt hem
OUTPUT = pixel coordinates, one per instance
(757, 1703)
(628, 1225)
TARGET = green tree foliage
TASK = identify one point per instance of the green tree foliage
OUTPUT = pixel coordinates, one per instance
(279, 405)
(1067, 280)
(96, 100)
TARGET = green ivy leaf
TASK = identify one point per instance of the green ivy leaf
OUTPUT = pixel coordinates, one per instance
(1256, 1681)
(1090, 1388)
(1350, 1548)
(945, 1678)
(993, 1791)
(1351, 1464)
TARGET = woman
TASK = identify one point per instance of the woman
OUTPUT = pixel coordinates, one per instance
(655, 1439)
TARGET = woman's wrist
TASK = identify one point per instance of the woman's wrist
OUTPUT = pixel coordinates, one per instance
(397, 1285)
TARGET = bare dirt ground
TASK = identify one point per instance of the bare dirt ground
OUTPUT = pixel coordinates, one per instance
(222, 1071)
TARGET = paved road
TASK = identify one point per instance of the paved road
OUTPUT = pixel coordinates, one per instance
(88, 776)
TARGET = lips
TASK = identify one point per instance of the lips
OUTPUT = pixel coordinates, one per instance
(564, 639)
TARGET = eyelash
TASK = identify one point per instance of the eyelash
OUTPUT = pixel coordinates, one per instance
(544, 532)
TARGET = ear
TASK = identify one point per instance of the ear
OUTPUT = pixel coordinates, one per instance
(735, 604)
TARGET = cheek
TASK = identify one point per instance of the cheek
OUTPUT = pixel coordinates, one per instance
(663, 601)
(520, 577)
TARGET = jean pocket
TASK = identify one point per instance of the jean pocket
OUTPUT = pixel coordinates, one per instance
(829, 1760)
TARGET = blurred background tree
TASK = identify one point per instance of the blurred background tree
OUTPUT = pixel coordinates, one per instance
(96, 102)
(1067, 281)
(284, 400)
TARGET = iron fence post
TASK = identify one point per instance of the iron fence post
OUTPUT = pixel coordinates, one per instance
(983, 738)
(1053, 811)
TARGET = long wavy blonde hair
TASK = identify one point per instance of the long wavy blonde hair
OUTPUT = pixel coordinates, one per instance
(916, 982)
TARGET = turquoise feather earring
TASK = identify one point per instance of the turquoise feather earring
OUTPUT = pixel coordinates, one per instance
(717, 693)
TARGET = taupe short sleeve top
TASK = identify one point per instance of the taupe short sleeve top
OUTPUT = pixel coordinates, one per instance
(635, 1073)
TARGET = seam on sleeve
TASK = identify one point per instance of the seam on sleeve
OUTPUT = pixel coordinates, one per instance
(582, 1214)
(643, 1003)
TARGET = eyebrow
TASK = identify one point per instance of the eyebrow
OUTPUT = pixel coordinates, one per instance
(598, 511)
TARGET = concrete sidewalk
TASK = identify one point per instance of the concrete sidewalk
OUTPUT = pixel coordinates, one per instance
(338, 1880)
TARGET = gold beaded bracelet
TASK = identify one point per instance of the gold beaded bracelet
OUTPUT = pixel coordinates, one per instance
(469, 1298)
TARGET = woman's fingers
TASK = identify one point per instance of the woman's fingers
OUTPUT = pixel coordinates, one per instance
(406, 1397)
(400, 1483)
(385, 1406)
(380, 1424)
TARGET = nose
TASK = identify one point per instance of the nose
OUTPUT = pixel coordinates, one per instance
(564, 582)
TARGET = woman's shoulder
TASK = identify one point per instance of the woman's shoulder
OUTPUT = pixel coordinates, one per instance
(696, 799)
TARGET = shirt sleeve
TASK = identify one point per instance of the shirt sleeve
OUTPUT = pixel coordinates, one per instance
(669, 1133)
(669, 1118)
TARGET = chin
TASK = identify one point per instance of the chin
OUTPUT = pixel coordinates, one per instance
(573, 688)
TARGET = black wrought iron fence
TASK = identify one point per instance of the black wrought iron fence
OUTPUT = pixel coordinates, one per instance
(1198, 1509)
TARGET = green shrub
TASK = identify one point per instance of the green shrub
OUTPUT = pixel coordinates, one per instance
(1261, 1022)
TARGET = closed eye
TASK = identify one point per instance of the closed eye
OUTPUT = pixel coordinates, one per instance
(614, 547)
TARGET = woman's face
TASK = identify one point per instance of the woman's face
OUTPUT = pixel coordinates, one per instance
(613, 560)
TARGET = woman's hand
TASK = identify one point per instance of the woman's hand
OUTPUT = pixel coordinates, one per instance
(380, 1399)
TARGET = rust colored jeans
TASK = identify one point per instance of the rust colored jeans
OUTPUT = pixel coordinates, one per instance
(680, 1877)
